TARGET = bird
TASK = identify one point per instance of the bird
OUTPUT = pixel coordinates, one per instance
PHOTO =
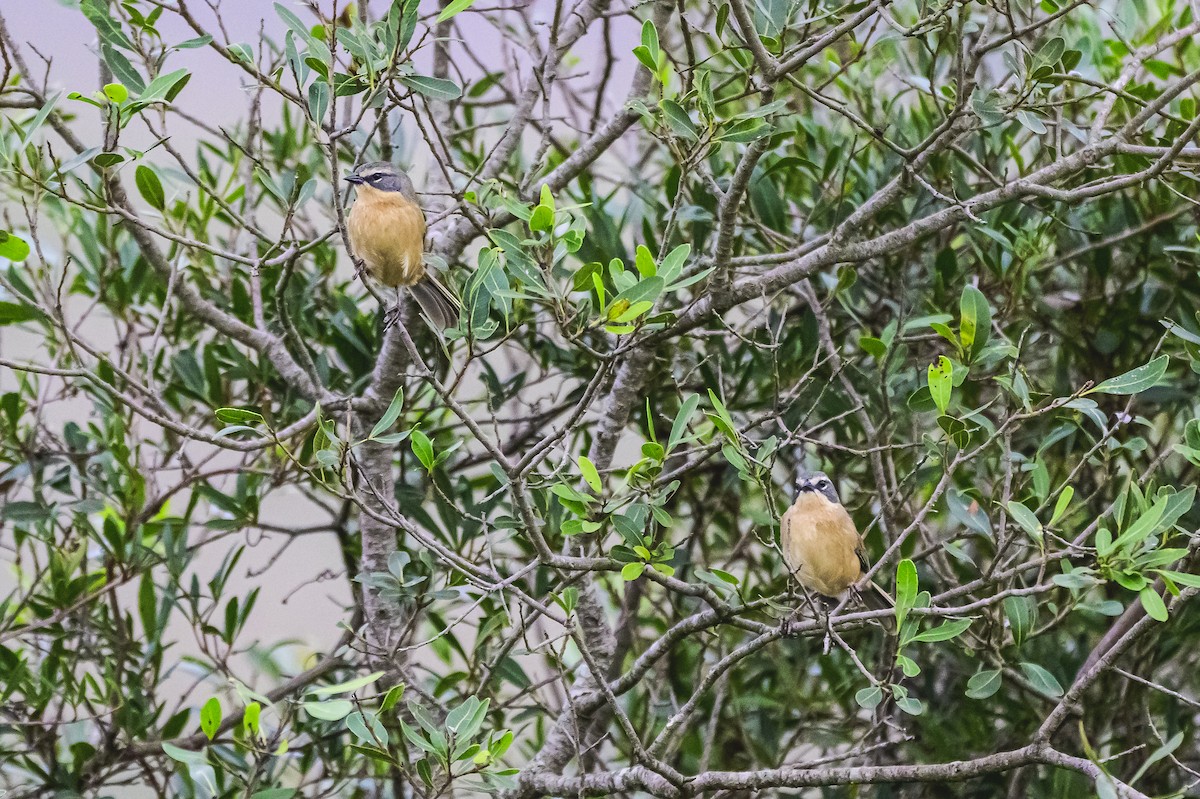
(822, 547)
(386, 228)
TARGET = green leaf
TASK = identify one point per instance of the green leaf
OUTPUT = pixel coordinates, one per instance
(394, 408)
(944, 330)
(569, 494)
(422, 447)
(242, 53)
(433, 88)
(472, 719)
(150, 187)
(391, 698)
(239, 416)
(633, 311)
(1060, 507)
(984, 684)
(250, 718)
(648, 51)
(650, 36)
(672, 265)
(183, 755)
(868, 698)
(645, 290)
(38, 120)
(13, 314)
(1031, 122)
(107, 160)
(907, 665)
(910, 705)
(164, 88)
(1135, 380)
(345, 85)
(679, 120)
(318, 100)
(1182, 578)
(1158, 754)
(1041, 679)
(906, 589)
(1152, 601)
(644, 260)
(874, 347)
(975, 325)
(941, 382)
(1026, 519)
(191, 44)
(333, 710)
(1022, 616)
(1050, 51)
(1131, 580)
(679, 426)
(722, 418)
(121, 68)
(347, 687)
(944, 632)
(590, 475)
(645, 57)
(148, 606)
(542, 219)
(632, 571)
(1178, 503)
(456, 7)
(116, 92)
(13, 248)
(1138, 531)
(294, 23)
(365, 726)
(210, 717)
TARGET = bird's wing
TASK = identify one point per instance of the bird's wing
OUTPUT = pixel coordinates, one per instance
(861, 552)
(785, 536)
(436, 301)
(850, 531)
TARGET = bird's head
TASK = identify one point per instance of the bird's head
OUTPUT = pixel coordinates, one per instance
(818, 482)
(382, 176)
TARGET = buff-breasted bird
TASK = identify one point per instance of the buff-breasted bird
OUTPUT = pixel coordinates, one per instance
(387, 231)
(822, 546)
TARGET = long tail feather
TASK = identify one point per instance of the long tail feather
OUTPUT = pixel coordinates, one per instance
(875, 597)
(436, 301)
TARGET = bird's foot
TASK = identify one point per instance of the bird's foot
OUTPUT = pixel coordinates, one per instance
(391, 316)
(790, 626)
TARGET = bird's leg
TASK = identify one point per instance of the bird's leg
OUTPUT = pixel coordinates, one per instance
(791, 623)
(826, 616)
(392, 315)
(788, 627)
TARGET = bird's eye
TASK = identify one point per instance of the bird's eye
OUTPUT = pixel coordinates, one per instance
(823, 482)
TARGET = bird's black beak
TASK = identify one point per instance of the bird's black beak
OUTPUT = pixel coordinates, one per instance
(355, 179)
(802, 487)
